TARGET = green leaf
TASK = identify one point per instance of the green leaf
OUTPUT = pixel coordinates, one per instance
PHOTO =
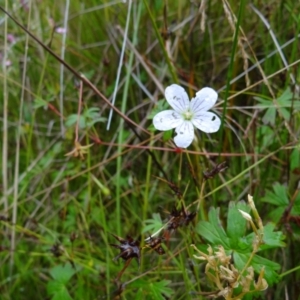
(153, 224)
(265, 134)
(140, 295)
(282, 103)
(272, 239)
(92, 112)
(295, 159)
(160, 288)
(71, 120)
(167, 135)
(157, 290)
(38, 102)
(213, 230)
(258, 262)
(235, 241)
(58, 290)
(236, 224)
(89, 117)
(62, 273)
(89, 74)
(269, 116)
(296, 206)
(280, 198)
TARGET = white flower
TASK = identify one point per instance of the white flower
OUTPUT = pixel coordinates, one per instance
(185, 114)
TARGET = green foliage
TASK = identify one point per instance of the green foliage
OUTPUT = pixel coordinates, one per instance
(51, 200)
(152, 290)
(280, 198)
(283, 105)
(89, 118)
(153, 224)
(57, 288)
(237, 243)
(295, 159)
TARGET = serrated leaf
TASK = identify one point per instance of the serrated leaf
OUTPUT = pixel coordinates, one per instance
(54, 287)
(153, 224)
(157, 290)
(237, 243)
(285, 113)
(258, 262)
(92, 113)
(213, 230)
(269, 116)
(63, 295)
(90, 117)
(71, 120)
(97, 120)
(58, 291)
(286, 97)
(89, 74)
(236, 224)
(271, 238)
(160, 288)
(38, 102)
(280, 198)
(62, 273)
(139, 295)
(283, 102)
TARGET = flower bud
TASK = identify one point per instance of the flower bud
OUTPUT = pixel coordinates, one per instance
(245, 215)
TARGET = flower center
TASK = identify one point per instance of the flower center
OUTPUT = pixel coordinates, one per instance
(187, 115)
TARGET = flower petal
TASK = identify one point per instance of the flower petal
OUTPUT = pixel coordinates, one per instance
(185, 134)
(204, 100)
(207, 122)
(167, 119)
(177, 98)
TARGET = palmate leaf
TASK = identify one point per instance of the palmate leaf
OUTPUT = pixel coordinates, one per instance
(236, 224)
(58, 291)
(213, 230)
(89, 117)
(258, 262)
(153, 224)
(272, 239)
(279, 197)
(236, 242)
(62, 273)
(284, 102)
(152, 290)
